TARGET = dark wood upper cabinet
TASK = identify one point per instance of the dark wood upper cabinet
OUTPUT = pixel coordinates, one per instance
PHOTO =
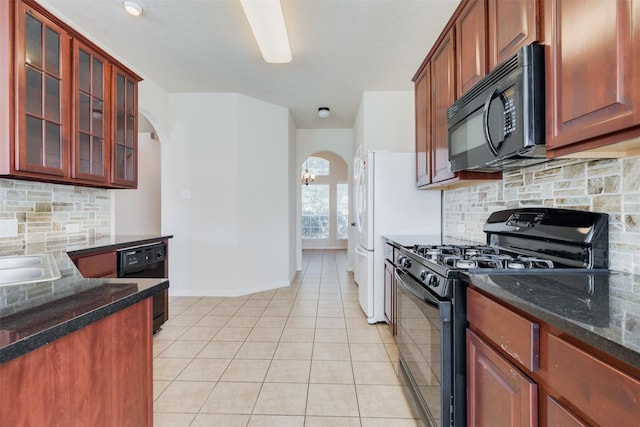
(471, 45)
(58, 114)
(423, 127)
(593, 82)
(125, 141)
(512, 25)
(442, 96)
(92, 132)
(456, 57)
(43, 81)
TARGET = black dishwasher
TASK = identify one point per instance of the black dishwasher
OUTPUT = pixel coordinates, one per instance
(147, 261)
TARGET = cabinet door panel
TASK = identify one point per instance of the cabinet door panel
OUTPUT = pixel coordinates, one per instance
(498, 393)
(91, 83)
(442, 95)
(125, 144)
(593, 84)
(512, 24)
(471, 46)
(423, 128)
(43, 80)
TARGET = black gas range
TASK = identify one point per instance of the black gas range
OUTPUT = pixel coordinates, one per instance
(432, 279)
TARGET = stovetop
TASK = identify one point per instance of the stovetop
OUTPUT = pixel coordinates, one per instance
(478, 256)
(526, 239)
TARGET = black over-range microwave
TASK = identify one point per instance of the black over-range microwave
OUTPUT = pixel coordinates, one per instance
(499, 123)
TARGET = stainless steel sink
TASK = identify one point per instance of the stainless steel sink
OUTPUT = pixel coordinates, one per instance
(19, 270)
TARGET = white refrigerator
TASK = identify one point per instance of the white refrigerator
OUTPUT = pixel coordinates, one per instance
(387, 202)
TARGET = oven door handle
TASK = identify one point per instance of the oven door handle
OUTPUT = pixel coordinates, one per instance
(410, 285)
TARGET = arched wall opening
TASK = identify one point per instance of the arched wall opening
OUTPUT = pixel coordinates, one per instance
(324, 205)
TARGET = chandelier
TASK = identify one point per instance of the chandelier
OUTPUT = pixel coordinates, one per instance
(306, 176)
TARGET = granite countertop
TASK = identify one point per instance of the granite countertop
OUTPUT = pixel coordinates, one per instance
(34, 314)
(601, 309)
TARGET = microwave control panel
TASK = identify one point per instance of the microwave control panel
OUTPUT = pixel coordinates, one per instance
(509, 111)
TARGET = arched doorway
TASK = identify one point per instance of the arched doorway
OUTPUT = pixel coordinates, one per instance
(324, 210)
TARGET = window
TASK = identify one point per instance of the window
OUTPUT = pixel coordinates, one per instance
(317, 166)
(315, 211)
(342, 208)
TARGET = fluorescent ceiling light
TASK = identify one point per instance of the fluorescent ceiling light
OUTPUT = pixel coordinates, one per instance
(267, 23)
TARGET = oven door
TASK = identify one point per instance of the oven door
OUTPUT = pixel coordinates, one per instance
(425, 350)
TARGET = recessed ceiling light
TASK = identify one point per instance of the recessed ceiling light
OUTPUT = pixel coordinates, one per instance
(267, 24)
(132, 7)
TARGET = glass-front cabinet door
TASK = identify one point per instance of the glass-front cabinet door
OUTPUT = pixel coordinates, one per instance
(91, 125)
(42, 50)
(125, 141)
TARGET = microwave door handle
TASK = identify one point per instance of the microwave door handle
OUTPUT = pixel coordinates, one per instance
(487, 136)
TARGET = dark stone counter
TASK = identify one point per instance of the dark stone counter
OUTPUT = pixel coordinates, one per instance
(34, 314)
(90, 301)
(601, 309)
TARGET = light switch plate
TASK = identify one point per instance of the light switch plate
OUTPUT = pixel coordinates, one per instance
(9, 227)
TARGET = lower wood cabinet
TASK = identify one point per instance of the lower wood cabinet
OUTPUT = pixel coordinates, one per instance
(99, 376)
(574, 385)
(498, 393)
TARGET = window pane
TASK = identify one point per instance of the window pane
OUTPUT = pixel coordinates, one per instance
(54, 145)
(97, 116)
(97, 156)
(84, 73)
(342, 214)
(34, 92)
(120, 92)
(53, 52)
(34, 141)
(85, 153)
(97, 78)
(52, 99)
(315, 211)
(33, 41)
(316, 166)
(84, 107)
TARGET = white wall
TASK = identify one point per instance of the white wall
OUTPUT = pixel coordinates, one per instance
(138, 211)
(386, 121)
(309, 141)
(225, 194)
(293, 209)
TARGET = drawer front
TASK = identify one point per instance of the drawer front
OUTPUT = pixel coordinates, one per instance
(559, 416)
(98, 265)
(608, 396)
(512, 333)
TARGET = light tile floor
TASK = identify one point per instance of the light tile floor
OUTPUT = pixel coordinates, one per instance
(297, 356)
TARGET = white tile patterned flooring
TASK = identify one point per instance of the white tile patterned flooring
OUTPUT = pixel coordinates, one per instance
(303, 355)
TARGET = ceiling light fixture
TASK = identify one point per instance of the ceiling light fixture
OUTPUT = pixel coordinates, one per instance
(132, 7)
(267, 24)
(323, 112)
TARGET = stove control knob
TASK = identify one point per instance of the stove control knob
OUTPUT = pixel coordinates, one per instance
(434, 281)
(405, 262)
(423, 274)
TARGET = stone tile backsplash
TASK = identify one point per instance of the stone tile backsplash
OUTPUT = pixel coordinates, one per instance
(54, 213)
(607, 185)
